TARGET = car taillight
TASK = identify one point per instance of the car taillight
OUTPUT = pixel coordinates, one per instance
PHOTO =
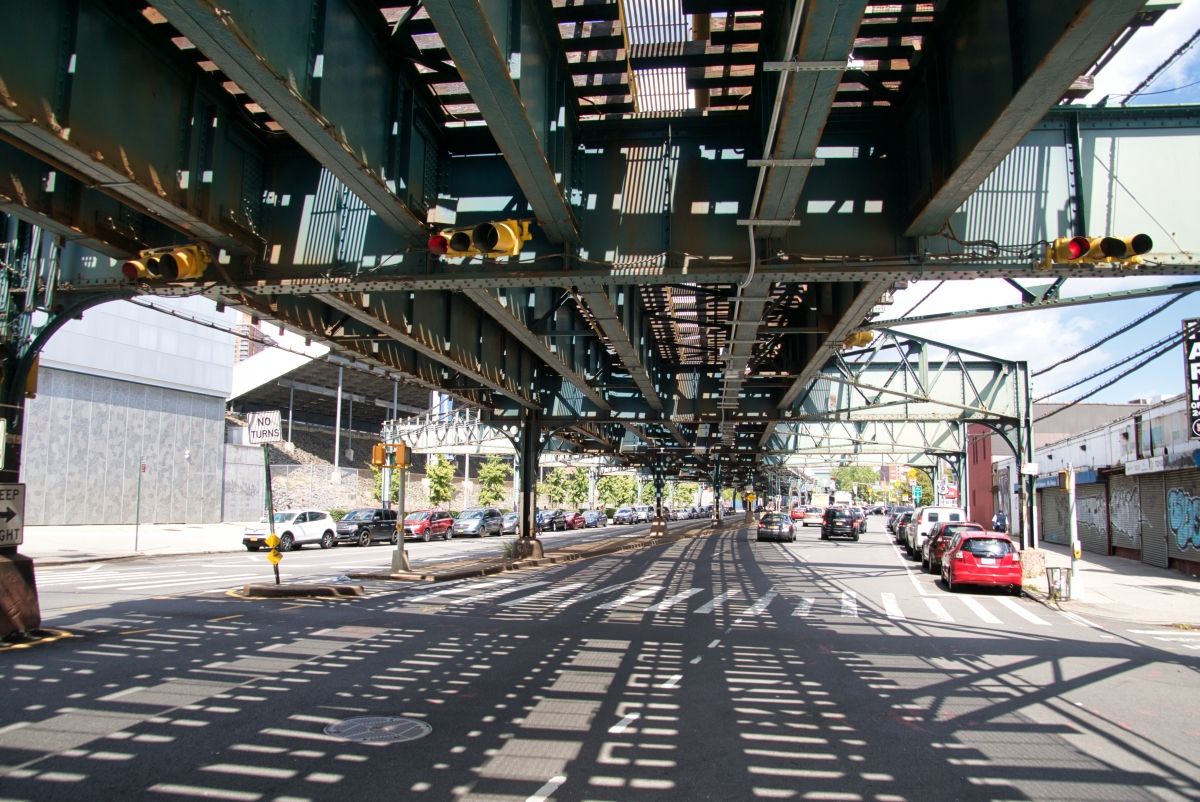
(1016, 556)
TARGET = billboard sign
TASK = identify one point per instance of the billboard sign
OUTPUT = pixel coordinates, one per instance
(1191, 364)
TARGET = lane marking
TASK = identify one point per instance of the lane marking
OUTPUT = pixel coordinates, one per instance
(980, 610)
(938, 610)
(850, 603)
(624, 723)
(1165, 633)
(909, 572)
(673, 682)
(717, 601)
(891, 607)
(453, 590)
(1078, 619)
(695, 660)
(671, 601)
(637, 594)
(568, 602)
(541, 594)
(543, 793)
(714, 643)
(804, 607)
(501, 592)
(172, 582)
(1020, 610)
(761, 604)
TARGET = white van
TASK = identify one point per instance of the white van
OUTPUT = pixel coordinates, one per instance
(923, 520)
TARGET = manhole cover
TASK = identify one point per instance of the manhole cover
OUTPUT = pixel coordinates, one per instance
(379, 729)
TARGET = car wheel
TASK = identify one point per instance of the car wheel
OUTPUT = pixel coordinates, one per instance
(395, 538)
(924, 565)
(287, 542)
(1015, 590)
(950, 586)
(364, 539)
(250, 547)
(327, 540)
(854, 538)
(425, 536)
(447, 535)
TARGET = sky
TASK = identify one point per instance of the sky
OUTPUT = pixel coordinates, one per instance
(1045, 337)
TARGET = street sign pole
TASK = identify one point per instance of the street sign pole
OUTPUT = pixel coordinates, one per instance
(271, 536)
(263, 428)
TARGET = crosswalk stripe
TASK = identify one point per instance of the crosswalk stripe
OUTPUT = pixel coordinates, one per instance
(671, 601)
(980, 610)
(762, 603)
(804, 607)
(1020, 610)
(938, 610)
(170, 583)
(849, 604)
(464, 588)
(542, 594)
(717, 601)
(891, 607)
(637, 594)
(491, 594)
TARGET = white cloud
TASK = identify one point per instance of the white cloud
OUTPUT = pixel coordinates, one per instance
(1145, 51)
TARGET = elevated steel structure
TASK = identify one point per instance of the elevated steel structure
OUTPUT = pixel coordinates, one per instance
(700, 253)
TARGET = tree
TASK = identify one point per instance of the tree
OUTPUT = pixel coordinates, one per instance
(615, 490)
(494, 473)
(440, 472)
(922, 480)
(578, 488)
(685, 493)
(555, 487)
(853, 477)
(395, 499)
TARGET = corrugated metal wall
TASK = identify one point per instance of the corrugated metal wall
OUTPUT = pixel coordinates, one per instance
(1154, 520)
(1052, 510)
(245, 484)
(1125, 512)
(84, 437)
(1183, 514)
(1091, 512)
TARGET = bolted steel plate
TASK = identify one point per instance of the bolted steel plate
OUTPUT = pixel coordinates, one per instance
(379, 729)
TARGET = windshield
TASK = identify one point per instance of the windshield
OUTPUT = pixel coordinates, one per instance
(359, 515)
(417, 516)
(283, 517)
(471, 514)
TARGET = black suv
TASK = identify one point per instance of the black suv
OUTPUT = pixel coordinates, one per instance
(365, 526)
(838, 522)
(550, 520)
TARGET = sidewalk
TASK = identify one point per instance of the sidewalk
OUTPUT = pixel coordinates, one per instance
(56, 545)
(1126, 590)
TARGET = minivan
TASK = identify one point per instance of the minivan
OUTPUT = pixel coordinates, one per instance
(922, 521)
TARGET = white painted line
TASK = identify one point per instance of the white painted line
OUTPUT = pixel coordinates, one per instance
(1078, 619)
(637, 594)
(717, 601)
(671, 601)
(673, 682)
(761, 604)
(456, 589)
(542, 594)
(624, 723)
(909, 572)
(491, 594)
(804, 607)
(891, 607)
(714, 643)
(850, 603)
(600, 592)
(543, 793)
(220, 580)
(938, 610)
(1020, 610)
(980, 610)
(1165, 633)
(695, 660)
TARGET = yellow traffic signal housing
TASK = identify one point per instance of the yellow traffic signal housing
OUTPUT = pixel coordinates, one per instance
(402, 455)
(172, 263)
(1096, 250)
(859, 339)
(499, 238)
(378, 455)
(1068, 249)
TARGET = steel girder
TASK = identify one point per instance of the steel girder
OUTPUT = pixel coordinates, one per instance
(526, 107)
(338, 96)
(967, 116)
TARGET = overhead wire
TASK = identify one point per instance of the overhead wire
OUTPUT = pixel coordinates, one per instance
(1164, 345)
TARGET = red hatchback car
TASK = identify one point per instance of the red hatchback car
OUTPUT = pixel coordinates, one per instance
(939, 538)
(982, 558)
(574, 520)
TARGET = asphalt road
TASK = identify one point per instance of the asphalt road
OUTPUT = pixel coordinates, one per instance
(711, 668)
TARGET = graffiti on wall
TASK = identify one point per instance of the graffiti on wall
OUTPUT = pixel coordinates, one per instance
(1091, 512)
(1126, 506)
(1183, 516)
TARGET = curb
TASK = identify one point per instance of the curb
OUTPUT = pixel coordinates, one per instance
(292, 591)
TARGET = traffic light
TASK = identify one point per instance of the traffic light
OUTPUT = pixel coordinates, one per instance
(1098, 250)
(499, 238)
(859, 339)
(172, 263)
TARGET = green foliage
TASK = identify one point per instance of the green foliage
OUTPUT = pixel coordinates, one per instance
(857, 479)
(440, 472)
(615, 490)
(337, 514)
(555, 487)
(577, 487)
(379, 485)
(685, 493)
(493, 474)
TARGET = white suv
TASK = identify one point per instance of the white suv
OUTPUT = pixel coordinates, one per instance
(294, 528)
(643, 513)
(923, 520)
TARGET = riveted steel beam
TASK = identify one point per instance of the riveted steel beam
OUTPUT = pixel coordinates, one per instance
(307, 67)
(525, 110)
(967, 114)
(615, 330)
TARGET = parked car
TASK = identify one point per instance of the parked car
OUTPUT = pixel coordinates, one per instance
(366, 526)
(510, 523)
(643, 513)
(900, 525)
(982, 558)
(593, 518)
(860, 519)
(480, 522)
(939, 538)
(624, 515)
(428, 524)
(838, 522)
(776, 526)
(895, 513)
(573, 520)
(922, 521)
(798, 514)
(295, 528)
(550, 520)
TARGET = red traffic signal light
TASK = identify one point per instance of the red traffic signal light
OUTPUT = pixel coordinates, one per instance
(1094, 250)
(499, 238)
(1069, 249)
(173, 263)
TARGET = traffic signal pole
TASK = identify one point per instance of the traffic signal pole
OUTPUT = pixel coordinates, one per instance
(272, 555)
